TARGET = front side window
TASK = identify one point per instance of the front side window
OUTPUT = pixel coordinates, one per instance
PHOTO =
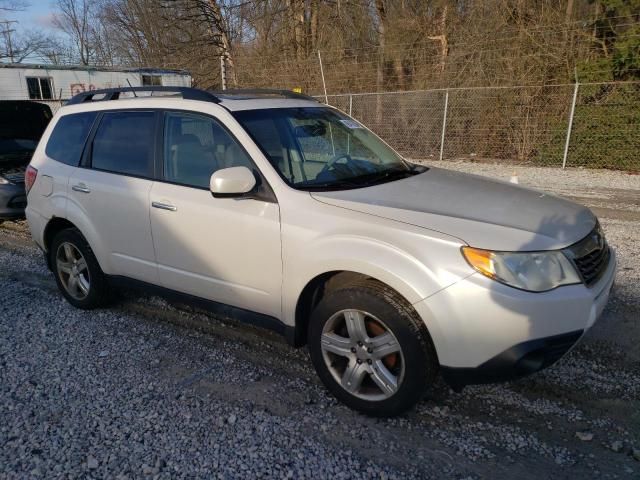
(40, 88)
(124, 143)
(319, 147)
(69, 136)
(195, 147)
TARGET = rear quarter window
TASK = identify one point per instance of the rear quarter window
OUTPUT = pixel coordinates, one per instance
(69, 136)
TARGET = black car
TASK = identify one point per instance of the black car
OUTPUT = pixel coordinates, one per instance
(22, 123)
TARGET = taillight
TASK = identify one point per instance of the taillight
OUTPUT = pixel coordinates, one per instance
(30, 178)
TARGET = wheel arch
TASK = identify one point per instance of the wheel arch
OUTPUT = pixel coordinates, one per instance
(319, 286)
(53, 227)
(56, 225)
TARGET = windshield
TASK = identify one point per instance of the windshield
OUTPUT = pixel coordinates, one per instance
(321, 148)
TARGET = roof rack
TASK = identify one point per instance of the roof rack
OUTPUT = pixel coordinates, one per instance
(264, 91)
(187, 93)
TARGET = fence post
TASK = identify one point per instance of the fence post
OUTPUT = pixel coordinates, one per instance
(324, 85)
(570, 126)
(444, 122)
(350, 104)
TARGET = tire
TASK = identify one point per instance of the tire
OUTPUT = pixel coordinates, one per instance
(354, 373)
(92, 289)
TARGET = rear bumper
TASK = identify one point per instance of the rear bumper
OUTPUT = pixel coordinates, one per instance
(13, 201)
(37, 224)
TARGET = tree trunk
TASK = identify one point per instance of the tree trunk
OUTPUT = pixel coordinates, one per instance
(442, 38)
(313, 21)
(224, 38)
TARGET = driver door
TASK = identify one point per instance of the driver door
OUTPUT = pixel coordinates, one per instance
(222, 249)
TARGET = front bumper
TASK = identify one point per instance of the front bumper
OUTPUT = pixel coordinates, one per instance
(13, 201)
(515, 362)
(484, 331)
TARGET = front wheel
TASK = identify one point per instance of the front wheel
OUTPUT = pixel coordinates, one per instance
(370, 349)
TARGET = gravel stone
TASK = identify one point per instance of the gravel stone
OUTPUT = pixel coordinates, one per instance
(92, 463)
(585, 436)
(187, 395)
(616, 446)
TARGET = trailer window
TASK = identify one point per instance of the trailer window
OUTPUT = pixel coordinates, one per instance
(151, 80)
(40, 88)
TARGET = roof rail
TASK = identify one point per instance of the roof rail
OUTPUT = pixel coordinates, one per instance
(264, 91)
(187, 93)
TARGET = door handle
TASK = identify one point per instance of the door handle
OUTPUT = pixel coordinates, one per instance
(80, 188)
(164, 206)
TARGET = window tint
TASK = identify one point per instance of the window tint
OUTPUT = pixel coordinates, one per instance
(124, 143)
(68, 137)
(195, 147)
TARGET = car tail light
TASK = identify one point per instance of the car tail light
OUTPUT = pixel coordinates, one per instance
(30, 178)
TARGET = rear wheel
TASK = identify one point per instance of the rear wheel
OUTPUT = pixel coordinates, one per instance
(370, 349)
(77, 272)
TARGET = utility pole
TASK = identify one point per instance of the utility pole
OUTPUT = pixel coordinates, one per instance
(7, 35)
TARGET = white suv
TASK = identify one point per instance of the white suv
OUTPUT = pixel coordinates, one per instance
(288, 213)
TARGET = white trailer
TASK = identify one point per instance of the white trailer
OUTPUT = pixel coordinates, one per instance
(53, 84)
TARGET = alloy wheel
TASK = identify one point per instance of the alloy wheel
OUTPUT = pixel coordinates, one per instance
(73, 271)
(362, 354)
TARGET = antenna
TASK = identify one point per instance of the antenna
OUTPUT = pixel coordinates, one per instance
(134, 92)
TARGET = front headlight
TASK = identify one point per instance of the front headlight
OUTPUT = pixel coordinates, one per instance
(532, 271)
(3, 181)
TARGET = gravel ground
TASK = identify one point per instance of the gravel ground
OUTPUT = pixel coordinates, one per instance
(147, 389)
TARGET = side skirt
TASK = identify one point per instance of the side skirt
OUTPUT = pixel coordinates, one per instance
(249, 317)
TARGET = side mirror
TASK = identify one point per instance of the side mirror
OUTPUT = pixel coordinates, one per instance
(232, 182)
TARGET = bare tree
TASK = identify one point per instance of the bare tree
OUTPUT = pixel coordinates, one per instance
(25, 45)
(367, 45)
(12, 5)
(74, 18)
(442, 38)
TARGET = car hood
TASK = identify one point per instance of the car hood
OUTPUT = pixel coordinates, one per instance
(481, 212)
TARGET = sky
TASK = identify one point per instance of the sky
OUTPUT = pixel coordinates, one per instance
(37, 16)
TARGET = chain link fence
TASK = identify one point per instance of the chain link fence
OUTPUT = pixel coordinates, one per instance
(593, 125)
(574, 125)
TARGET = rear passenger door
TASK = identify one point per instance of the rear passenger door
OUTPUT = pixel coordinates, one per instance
(109, 193)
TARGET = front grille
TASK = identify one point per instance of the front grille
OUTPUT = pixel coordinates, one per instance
(19, 201)
(591, 256)
(17, 178)
(14, 175)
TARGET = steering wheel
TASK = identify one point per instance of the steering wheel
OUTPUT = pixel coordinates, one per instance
(330, 164)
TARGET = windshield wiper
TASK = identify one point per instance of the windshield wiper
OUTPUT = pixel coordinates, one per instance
(384, 176)
(335, 185)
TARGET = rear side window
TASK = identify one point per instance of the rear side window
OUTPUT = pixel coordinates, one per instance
(124, 143)
(69, 136)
